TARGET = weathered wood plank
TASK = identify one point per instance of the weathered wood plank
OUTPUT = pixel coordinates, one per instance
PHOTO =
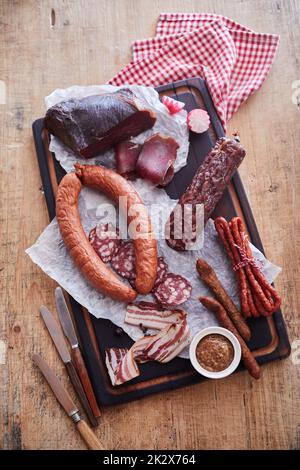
(89, 43)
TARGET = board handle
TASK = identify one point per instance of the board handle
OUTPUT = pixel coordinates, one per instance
(89, 436)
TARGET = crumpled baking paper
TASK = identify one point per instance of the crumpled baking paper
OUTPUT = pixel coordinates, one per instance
(51, 255)
(171, 125)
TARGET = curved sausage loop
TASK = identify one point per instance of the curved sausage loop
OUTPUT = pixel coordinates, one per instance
(145, 245)
(81, 251)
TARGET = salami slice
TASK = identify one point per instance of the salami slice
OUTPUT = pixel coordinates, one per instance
(173, 290)
(162, 269)
(105, 240)
(123, 262)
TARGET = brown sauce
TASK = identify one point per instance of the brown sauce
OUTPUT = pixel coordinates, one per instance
(214, 352)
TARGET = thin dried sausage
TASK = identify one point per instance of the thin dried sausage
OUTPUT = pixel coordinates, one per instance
(223, 318)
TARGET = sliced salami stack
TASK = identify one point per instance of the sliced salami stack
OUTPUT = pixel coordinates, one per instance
(105, 240)
(123, 261)
(173, 290)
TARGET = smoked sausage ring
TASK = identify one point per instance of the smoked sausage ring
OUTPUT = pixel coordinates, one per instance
(114, 186)
(80, 249)
(83, 254)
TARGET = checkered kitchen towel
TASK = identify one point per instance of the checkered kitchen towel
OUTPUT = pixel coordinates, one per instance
(233, 59)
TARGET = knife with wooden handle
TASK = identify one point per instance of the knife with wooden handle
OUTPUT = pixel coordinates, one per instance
(61, 346)
(67, 403)
(69, 331)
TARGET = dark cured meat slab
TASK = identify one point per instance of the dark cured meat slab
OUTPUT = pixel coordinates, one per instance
(269, 337)
(92, 125)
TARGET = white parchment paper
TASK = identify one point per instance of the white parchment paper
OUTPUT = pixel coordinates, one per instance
(171, 125)
(51, 255)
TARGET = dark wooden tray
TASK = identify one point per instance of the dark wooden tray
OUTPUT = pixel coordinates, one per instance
(269, 338)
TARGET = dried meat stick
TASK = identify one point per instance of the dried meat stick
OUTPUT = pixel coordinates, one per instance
(258, 283)
(209, 277)
(223, 318)
(255, 288)
(222, 227)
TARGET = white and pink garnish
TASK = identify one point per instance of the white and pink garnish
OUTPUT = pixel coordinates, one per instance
(173, 106)
(198, 121)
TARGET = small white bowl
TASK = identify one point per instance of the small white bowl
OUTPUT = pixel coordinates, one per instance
(220, 331)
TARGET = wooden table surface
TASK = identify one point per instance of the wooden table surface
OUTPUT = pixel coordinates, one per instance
(89, 42)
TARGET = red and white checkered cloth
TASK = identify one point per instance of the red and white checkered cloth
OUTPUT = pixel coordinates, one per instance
(233, 59)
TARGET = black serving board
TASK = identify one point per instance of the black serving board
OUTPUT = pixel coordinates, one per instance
(269, 338)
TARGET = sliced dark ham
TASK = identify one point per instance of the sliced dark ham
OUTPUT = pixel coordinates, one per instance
(92, 125)
(126, 154)
(156, 160)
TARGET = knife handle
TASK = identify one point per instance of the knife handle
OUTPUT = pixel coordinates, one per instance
(85, 380)
(89, 436)
(80, 392)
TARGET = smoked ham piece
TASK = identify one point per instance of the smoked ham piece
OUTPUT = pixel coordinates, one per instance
(92, 125)
(126, 154)
(156, 160)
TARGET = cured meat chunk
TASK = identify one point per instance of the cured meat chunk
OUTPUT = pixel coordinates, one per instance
(173, 290)
(123, 261)
(92, 125)
(105, 240)
(151, 315)
(156, 160)
(162, 269)
(126, 154)
(165, 345)
(207, 187)
(122, 364)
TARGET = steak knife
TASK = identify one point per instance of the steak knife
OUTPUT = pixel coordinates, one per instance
(67, 403)
(69, 331)
(61, 346)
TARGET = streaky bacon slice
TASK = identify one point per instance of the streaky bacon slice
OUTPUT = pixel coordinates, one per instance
(166, 344)
(156, 159)
(151, 315)
(162, 347)
(121, 365)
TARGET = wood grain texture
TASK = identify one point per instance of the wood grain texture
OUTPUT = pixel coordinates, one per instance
(86, 46)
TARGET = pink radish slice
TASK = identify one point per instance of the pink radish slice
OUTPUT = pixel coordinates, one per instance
(198, 121)
(173, 106)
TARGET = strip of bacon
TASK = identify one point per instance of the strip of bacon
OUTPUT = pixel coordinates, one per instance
(166, 344)
(121, 365)
(151, 315)
(162, 347)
